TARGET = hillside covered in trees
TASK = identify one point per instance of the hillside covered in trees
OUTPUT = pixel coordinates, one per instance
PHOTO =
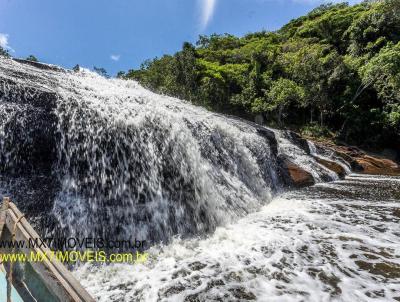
(334, 71)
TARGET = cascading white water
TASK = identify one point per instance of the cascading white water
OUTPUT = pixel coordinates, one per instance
(330, 156)
(150, 166)
(153, 166)
(303, 159)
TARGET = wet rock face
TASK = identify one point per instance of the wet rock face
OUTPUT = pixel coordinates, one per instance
(27, 127)
(27, 139)
(17, 92)
(374, 165)
(40, 65)
(299, 141)
(270, 136)
(300, 177)
(295, 176)
(28, 147)
(362, 162)
(335, 167)
(355, 166)
(34, 195)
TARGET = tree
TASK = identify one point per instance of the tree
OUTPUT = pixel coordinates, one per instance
(383, 72)
(121, 74)
(186, 76)
(101, 71)
(338, 63)
(32, 58)
(4, 52)
(312, 66)
(251, 97)
(376, 26)
(282, 93)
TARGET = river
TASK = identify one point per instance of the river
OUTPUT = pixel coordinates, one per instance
(334, 241)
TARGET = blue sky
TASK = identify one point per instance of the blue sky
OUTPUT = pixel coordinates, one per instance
(120, 34)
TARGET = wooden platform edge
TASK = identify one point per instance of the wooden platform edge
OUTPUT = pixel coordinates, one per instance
(54, 274)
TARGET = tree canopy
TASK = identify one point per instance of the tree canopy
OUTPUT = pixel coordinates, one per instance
(337, 67)
(99, 70)
(4, 52)
(32, 58)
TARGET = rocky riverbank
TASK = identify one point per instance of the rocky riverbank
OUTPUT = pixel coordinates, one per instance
(326, 153)
(368, 163)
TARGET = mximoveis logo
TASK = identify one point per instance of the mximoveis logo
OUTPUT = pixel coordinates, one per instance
(72, 243)
(75, 257)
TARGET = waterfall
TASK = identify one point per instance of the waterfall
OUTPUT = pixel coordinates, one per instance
(302, 158)
(129, 163)
(328, 155)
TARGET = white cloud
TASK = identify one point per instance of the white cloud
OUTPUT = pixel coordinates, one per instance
(115, 57)
(207, 12)
(4, 41)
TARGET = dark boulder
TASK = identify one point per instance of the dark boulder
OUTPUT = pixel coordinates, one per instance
(298, 140)
(270, 136)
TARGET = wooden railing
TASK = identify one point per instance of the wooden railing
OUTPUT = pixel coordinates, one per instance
(53, 274)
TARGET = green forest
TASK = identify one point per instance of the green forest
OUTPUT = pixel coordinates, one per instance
(333, 73)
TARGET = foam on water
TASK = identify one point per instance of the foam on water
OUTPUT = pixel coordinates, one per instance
(297, 248)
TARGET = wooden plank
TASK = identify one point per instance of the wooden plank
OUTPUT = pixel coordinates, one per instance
(53, 273)
(46, 271)
(4, 208)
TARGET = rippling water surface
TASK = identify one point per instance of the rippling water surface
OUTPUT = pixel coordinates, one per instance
(338, 241)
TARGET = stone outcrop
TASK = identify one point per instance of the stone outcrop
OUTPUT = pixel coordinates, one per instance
(299, 141)
(27, 144)
(295, 176)
(375, 165)
(362, 161)
(299, 176)
(335, 167)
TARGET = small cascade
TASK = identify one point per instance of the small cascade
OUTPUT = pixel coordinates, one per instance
(313, 148)
(300, 155)
(329, 155)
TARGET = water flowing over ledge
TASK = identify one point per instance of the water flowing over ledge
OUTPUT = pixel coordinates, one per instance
(112, 159)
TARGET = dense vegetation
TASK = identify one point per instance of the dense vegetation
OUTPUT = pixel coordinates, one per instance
(333, 71)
